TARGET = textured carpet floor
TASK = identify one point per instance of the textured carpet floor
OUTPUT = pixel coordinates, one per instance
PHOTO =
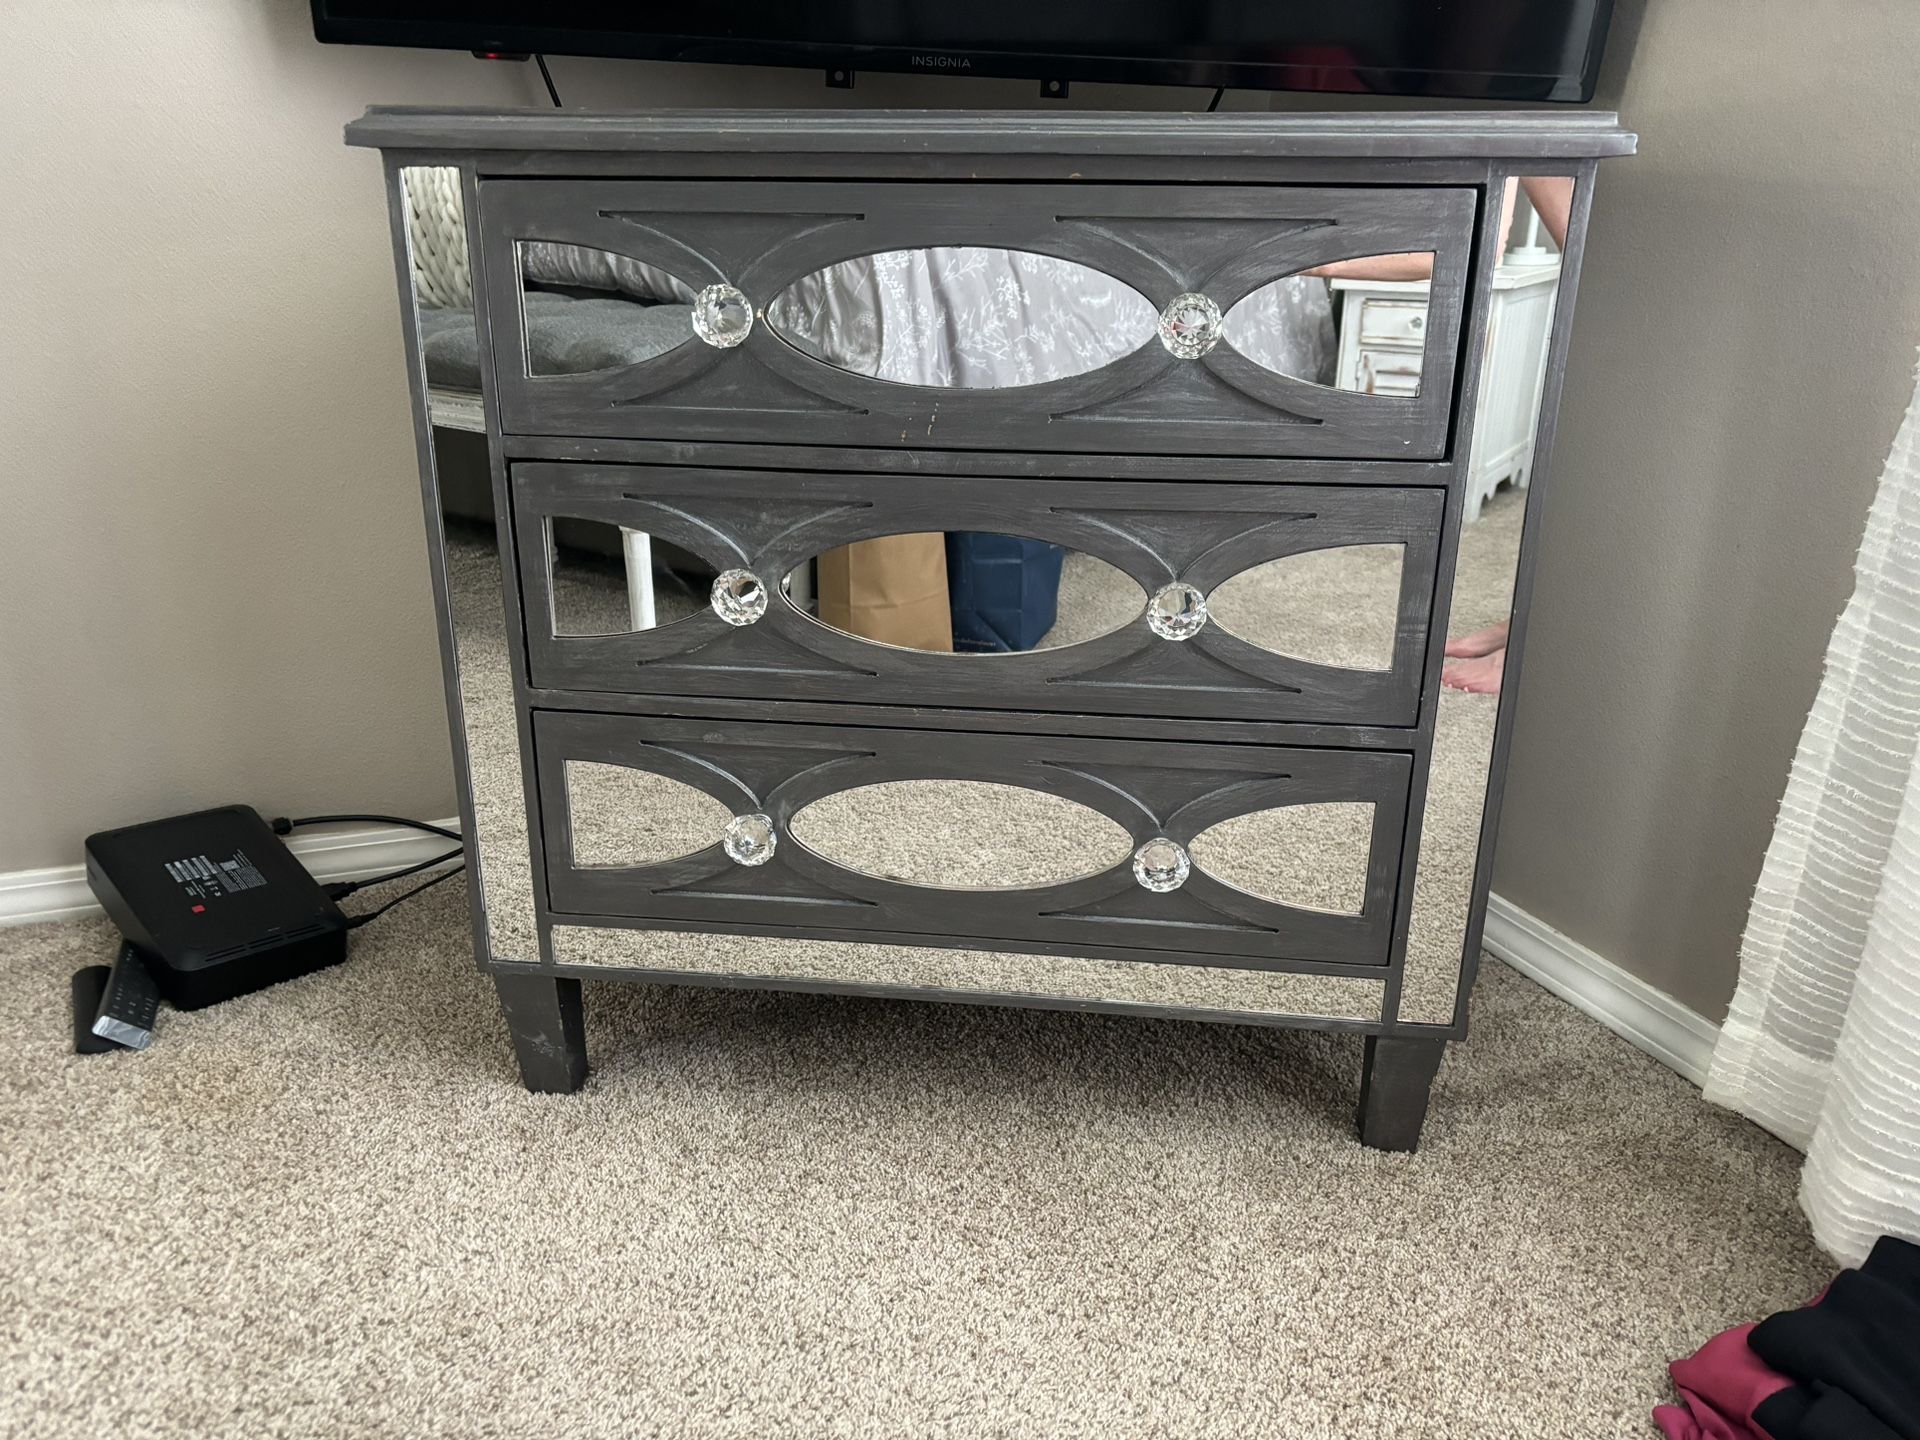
(329, 1209)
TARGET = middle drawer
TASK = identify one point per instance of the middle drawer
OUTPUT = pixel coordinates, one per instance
(1276, 602)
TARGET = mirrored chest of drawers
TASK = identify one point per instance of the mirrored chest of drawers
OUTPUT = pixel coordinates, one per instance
(936, 555)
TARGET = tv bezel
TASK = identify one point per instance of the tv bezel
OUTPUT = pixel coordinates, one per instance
(1557, 88)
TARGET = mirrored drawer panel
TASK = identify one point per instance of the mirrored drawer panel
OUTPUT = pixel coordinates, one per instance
(1264, 602)
(1264, 854)
(1169, 319)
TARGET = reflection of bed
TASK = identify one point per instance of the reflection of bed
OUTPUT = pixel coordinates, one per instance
(567, 334)
(585, 310)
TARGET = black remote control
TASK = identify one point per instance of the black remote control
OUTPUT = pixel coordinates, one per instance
(130, 1004)
(89, 984)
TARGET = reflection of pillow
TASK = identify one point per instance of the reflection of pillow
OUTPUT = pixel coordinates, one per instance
(555, 264)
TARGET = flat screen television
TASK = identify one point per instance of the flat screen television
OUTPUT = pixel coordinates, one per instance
(1465, 49)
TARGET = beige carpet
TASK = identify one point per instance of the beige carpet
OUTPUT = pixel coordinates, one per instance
(329, 1210)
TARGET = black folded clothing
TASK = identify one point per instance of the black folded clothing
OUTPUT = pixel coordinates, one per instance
(1854, 1355)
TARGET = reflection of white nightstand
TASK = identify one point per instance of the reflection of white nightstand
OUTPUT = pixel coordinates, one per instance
(1383, 332)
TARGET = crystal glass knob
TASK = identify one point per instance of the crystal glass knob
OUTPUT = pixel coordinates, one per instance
(749, 839)
(722, 316)
(738, 597)
(1161, 865)
(1190, 325)
(1177, 611)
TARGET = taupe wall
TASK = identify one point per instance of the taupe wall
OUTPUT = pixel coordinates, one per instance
(1743, 354)
(212, 582)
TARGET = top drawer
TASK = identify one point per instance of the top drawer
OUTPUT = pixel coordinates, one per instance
(1169, 319)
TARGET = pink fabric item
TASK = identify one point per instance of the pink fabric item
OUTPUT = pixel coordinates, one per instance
(1720, 1384)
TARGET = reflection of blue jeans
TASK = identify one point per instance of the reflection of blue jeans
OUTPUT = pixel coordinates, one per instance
(1004, 590)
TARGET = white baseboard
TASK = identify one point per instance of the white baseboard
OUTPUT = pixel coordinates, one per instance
(60, 892)
(1647, 1018)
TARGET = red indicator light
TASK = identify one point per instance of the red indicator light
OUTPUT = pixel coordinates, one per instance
(199, 909)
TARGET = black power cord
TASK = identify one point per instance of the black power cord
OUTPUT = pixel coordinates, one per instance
(1212, 105)
(547, 75)
(341, 889)
(283, 825)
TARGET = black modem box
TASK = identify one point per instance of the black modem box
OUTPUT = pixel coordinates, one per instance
(215, 904)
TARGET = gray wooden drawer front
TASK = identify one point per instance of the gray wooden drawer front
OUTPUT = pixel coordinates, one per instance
(1223, 242)
(654, 783)
(769, 522)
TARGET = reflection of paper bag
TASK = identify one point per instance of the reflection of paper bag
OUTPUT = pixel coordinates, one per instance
(893, 589)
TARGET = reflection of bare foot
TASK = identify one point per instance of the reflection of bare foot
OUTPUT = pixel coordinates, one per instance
(1477, 674)
(1480, 642)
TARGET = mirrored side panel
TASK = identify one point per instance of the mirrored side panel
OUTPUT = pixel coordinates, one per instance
(1257, 994)
(472, 544)
(440, 274)
(1493, 512)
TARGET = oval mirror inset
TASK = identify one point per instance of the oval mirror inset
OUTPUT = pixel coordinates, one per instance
(966, 593)
(621, 817)
(970, 317)
(960, 834)
(1338, 607)
(1312, 857)
(584, 309)
(1358, 324)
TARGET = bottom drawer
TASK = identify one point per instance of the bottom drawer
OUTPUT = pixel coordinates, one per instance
(1267, 855)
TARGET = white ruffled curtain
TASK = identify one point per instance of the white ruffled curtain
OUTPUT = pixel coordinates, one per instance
(1822, 1045)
